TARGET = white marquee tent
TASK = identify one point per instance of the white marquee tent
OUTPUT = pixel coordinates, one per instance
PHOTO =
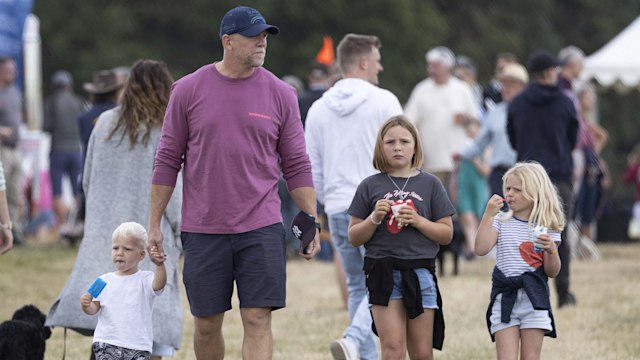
(617, 63)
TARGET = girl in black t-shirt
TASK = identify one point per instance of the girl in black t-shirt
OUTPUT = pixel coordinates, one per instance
(402, 215)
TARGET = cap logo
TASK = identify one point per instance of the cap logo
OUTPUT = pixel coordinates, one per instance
(255, 16)
(246, 21)
(296, 231)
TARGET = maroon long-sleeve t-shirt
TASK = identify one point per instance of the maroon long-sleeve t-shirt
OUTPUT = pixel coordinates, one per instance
(234, 137)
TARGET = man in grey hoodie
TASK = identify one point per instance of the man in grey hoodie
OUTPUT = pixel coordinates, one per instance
(340, 134)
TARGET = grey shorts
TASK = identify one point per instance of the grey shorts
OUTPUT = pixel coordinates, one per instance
(522, 315)
(254, 260)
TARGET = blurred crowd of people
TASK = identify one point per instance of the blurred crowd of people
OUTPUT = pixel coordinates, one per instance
(68, 119)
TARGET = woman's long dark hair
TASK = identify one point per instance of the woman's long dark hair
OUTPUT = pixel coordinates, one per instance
(143, 101)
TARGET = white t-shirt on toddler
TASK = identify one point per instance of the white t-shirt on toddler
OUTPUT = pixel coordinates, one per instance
(126, 304)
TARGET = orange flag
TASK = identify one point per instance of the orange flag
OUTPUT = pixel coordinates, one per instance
(326, 55)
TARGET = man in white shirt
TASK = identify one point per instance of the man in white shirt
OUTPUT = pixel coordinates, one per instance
(340, 134)
(441, 106)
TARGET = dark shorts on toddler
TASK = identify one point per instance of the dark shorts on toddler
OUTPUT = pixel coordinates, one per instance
(255, 261)
(104, 351)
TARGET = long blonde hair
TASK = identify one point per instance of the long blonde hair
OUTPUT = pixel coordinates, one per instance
(537, 187)
(143, 101)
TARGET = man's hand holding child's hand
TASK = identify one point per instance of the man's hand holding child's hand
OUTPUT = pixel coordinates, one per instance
(156, 257)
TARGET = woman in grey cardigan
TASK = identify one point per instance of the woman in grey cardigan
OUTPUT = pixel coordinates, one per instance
(117, 184)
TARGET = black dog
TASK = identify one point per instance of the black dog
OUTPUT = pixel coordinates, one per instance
(454, 247)
(23, 337)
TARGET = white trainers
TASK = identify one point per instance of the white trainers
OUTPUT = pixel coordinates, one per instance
(344, 349)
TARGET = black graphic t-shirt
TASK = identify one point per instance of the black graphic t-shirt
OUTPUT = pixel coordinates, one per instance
(424, 192)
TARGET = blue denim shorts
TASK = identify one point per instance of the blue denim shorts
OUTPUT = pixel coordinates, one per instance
(427, 287)
(522, 315)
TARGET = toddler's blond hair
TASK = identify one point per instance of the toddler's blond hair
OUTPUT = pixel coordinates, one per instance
(132, 229)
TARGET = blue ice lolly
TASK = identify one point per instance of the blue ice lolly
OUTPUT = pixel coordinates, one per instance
(96, 288)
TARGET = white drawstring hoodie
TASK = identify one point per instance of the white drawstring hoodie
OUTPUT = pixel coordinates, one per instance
(340, 134)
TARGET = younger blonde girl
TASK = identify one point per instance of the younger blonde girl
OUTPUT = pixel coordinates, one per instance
(519, 314)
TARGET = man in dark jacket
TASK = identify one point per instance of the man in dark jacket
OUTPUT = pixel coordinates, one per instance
(318, 83)
(542, 126)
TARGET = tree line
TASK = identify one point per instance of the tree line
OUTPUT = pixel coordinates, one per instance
(83, 36)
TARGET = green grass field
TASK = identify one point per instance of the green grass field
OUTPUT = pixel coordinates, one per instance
(605, 324)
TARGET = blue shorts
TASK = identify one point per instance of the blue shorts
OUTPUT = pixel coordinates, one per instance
(427, 287)
(254, 260)
(65, 162)
(522, 315)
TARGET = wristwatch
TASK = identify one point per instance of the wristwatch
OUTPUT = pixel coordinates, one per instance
(7, 226)
(315, 223)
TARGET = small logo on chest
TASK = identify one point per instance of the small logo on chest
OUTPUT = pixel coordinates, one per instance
(261, 116)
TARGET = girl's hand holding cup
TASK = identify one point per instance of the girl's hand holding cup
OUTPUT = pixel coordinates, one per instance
(543, 242)
(406, 215)
(381, 209)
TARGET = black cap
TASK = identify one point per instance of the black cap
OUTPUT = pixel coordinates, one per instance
(304, 228)
(541, 60)
(245, 21)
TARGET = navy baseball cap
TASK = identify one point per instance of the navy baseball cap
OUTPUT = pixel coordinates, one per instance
(304, 228)
(541, 60)
(245, 21)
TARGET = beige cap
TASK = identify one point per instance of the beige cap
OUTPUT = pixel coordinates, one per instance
(514, 71)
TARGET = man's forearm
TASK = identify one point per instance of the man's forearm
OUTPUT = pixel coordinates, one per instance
(305, 199)
(160, 196)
